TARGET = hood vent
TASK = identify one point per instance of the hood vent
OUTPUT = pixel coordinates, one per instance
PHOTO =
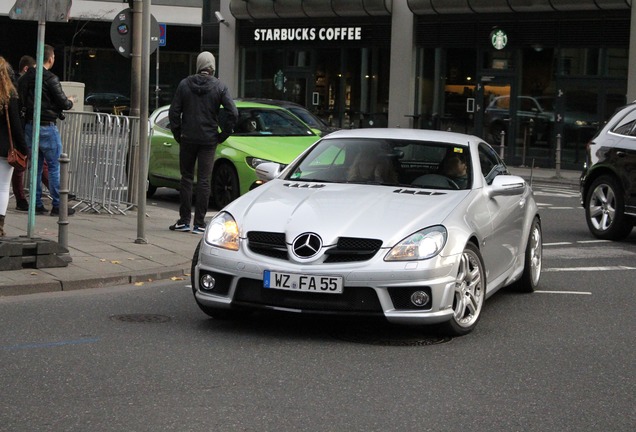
(305, 185)
(417, 192)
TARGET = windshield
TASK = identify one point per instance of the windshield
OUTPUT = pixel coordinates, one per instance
(264, 121)
(418, 164)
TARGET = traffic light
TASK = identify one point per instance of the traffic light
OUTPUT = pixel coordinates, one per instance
(31, 10)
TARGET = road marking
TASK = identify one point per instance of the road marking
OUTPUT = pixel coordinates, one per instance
(600, 268)
(49, 344)
(564, 292)
(579, 242)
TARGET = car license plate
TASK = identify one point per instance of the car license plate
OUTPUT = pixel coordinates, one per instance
(304, 283)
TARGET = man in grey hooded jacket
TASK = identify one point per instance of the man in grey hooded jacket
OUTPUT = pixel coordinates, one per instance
(194, 121)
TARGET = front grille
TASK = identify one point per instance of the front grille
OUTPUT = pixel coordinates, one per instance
(348, 249)
(401, 298)
(270, 244)
(352, 300)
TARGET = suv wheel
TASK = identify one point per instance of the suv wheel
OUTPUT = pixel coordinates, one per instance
(605, 209)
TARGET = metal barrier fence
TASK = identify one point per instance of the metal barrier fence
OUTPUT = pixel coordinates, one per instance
(102, 148)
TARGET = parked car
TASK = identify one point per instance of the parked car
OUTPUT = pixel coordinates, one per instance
(405, 243)
(109, 103)
(311, 119)
(608, 181)
(264, 133)
(541, 110)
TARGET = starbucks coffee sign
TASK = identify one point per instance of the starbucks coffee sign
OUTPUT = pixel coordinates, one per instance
(498, 39)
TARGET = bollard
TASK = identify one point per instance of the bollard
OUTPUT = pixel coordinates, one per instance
(502, 140)
(62, 236)
(557, 162)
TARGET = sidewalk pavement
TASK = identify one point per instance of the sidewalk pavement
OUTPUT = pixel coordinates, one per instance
(104, 251)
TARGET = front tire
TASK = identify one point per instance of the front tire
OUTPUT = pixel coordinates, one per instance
(532, 261)
(225, 185)
(469, 294)
(605, 209)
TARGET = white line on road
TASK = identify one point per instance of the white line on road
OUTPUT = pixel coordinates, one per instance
(580, 242)
(564, 292)
(601, 268)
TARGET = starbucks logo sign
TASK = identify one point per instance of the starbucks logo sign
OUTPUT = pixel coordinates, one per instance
(498, 39)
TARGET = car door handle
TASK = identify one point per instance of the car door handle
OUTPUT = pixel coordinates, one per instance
(621, 154)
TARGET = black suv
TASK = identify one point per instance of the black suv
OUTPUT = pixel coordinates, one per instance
(608, 181)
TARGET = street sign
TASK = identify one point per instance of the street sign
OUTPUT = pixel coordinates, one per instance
(31, 10)
(162, 34)
(121, 33)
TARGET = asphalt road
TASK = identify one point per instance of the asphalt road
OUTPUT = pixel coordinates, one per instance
(145, 358)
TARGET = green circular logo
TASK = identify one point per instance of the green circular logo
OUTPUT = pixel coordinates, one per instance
(498, 39)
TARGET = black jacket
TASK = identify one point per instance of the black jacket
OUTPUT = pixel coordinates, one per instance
(16, 129)
(54, 101)
(194, 112)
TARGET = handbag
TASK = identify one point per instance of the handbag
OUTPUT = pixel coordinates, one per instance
(15, 158)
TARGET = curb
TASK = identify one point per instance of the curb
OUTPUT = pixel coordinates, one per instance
(143, 276)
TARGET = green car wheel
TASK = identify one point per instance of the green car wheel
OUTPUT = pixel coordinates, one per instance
(225, 185)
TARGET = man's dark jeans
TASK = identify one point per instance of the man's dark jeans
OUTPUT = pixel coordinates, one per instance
(201, 156)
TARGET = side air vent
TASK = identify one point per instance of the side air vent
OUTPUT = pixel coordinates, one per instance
(417, 192)
(305, 185)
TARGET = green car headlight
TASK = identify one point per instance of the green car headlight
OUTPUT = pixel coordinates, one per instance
(254, 161)
(223, 232)
(421, 245)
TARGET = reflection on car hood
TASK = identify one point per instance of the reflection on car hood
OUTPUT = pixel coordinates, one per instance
(334, 210)
(275, 148)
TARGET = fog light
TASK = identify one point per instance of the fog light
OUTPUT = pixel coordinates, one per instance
(419, 298)
(207, 281)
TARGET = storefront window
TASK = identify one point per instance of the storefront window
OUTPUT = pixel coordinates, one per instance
(617, 62)
(579, 61)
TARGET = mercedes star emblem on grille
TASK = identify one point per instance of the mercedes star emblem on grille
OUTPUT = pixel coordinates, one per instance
(307, 245)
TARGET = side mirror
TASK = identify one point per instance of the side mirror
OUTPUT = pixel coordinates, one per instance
(506, 185)
(268, 171)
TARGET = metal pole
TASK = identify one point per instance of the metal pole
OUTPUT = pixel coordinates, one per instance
(136, 59)
(502, 140)
(35, 144)
(558, 156)
(62, 234)
(143, 124)
(157, 89)
(523, 150)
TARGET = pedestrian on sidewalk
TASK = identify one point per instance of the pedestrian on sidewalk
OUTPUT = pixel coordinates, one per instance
(9, 121)
(194, 121)
(17, 180)
(53, 103)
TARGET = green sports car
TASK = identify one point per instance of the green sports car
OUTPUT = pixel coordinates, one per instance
(263, 133)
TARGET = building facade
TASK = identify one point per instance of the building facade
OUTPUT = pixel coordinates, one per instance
(85, 53)
(539, 76)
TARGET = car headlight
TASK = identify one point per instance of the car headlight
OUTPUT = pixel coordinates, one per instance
(254, 161)
(223, 232)
(421, 245)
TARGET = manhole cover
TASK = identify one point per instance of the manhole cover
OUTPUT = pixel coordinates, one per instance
(141, 318)
(388, 337)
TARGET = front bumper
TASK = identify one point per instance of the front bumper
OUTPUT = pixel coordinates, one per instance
(373, 287)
